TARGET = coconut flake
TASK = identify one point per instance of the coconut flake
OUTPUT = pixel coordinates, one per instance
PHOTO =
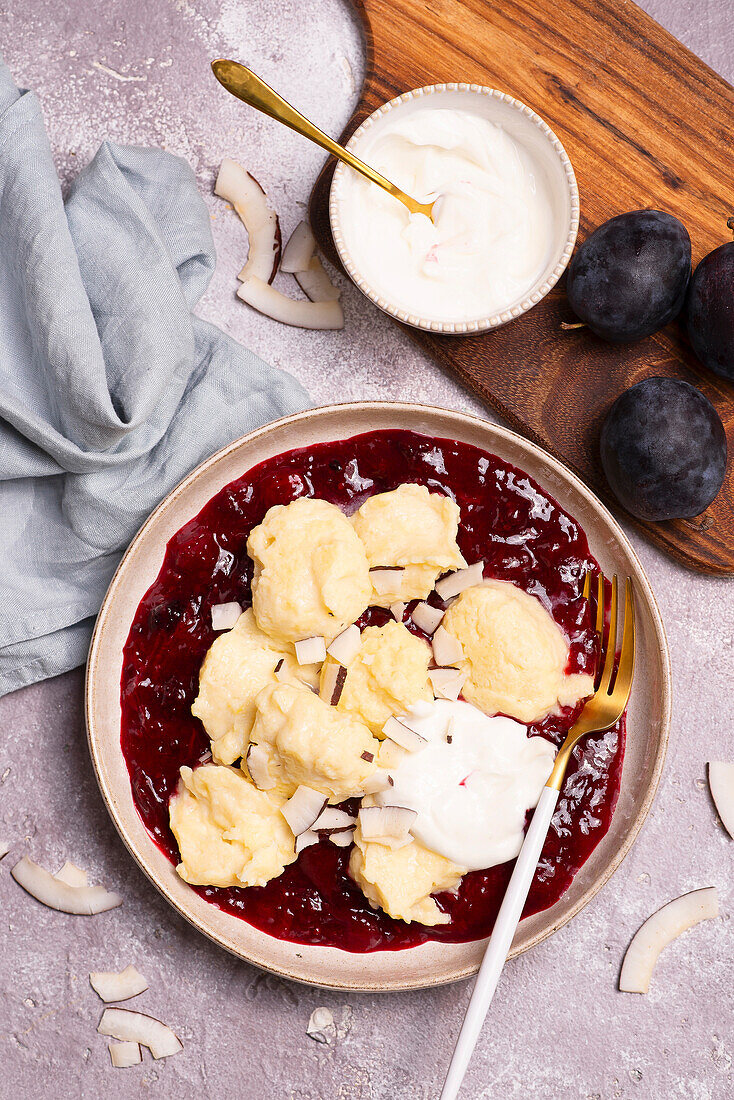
(332, 683)
(386, 824)
(454, 583)
(391, 754)
(446, 682)
(331, 819)
(314, 281)
(225, 615)
(397, 610)
(111, 986)
(136, 1027)
(298, 253)
(301, 314)
(259, 219)
(72, 875)
(4, 849)
(378, 781)
(44, 887)
(342, 838)
(257, 763)
(386, 580)
(426, 617)
(320, 1025)
(305, 840)
(403, 735)
(661, 929)
(345, 646)
(302, 809)
(447, 650)
(721, 785)
(124, 1055)
(311, 651)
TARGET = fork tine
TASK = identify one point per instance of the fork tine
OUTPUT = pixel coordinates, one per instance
(625, 670)
(587, 586)
(611, 648)
(600, 610)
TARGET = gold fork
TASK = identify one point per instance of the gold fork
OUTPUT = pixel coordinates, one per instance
(603, 709)
(245, 85)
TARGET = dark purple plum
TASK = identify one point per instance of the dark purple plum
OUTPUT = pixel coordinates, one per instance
(629, 278)
(663, 449)
(710, 309)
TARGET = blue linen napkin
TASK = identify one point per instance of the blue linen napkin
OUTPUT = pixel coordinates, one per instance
(110, 389)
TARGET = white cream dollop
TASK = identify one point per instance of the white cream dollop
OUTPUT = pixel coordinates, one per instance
(491, 237)
(471, 793)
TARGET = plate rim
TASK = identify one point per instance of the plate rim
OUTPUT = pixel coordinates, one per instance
(110, 798)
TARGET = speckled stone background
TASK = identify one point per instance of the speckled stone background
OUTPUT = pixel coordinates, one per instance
(137, 71)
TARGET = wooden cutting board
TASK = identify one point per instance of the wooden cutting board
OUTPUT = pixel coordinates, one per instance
(645, 123)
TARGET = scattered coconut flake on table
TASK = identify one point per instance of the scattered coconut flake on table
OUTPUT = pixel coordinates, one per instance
(225, 615)
(136, 1027)
(321, 1026)
(302, 808)
(298, 253)
(72, 875)
(300, 314)
(4, 849)
(721, 785)
(112, 986)
(261, 222)
(315, 283)
(454, 583)
(659, 930)
(124, 1055)
(44, 887)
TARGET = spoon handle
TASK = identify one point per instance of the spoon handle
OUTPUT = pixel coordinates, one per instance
(248, 87)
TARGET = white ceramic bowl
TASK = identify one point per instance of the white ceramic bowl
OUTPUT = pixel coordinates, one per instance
(434, 962)
(528, 130)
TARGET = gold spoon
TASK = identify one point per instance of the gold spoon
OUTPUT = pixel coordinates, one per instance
(243, 84)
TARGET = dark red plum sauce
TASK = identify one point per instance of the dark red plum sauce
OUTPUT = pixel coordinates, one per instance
(510, 523)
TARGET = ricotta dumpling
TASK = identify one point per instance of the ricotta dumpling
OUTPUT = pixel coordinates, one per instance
(515, 653)
(228, 832)
(238, 665)
(401, 880)
(311, 743)
(412, 530)
(387, 675)
(311, 575)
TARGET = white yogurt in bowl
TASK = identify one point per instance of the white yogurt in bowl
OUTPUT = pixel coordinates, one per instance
(504, 224)
(471, 784)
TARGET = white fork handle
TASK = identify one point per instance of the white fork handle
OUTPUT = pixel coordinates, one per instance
(507, 921)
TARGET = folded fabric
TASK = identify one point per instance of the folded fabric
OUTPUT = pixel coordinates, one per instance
(110, 390)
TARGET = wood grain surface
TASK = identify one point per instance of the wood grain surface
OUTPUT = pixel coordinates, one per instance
(646, 124)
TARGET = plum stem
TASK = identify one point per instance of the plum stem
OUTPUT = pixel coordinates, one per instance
(567, 326)
(730, 223)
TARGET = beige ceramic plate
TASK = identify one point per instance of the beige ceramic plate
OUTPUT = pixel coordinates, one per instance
(430, 963)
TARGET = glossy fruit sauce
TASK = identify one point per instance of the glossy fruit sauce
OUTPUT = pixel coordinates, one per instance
(509, 522)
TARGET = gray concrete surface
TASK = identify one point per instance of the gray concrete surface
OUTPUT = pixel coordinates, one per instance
(135, 71)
